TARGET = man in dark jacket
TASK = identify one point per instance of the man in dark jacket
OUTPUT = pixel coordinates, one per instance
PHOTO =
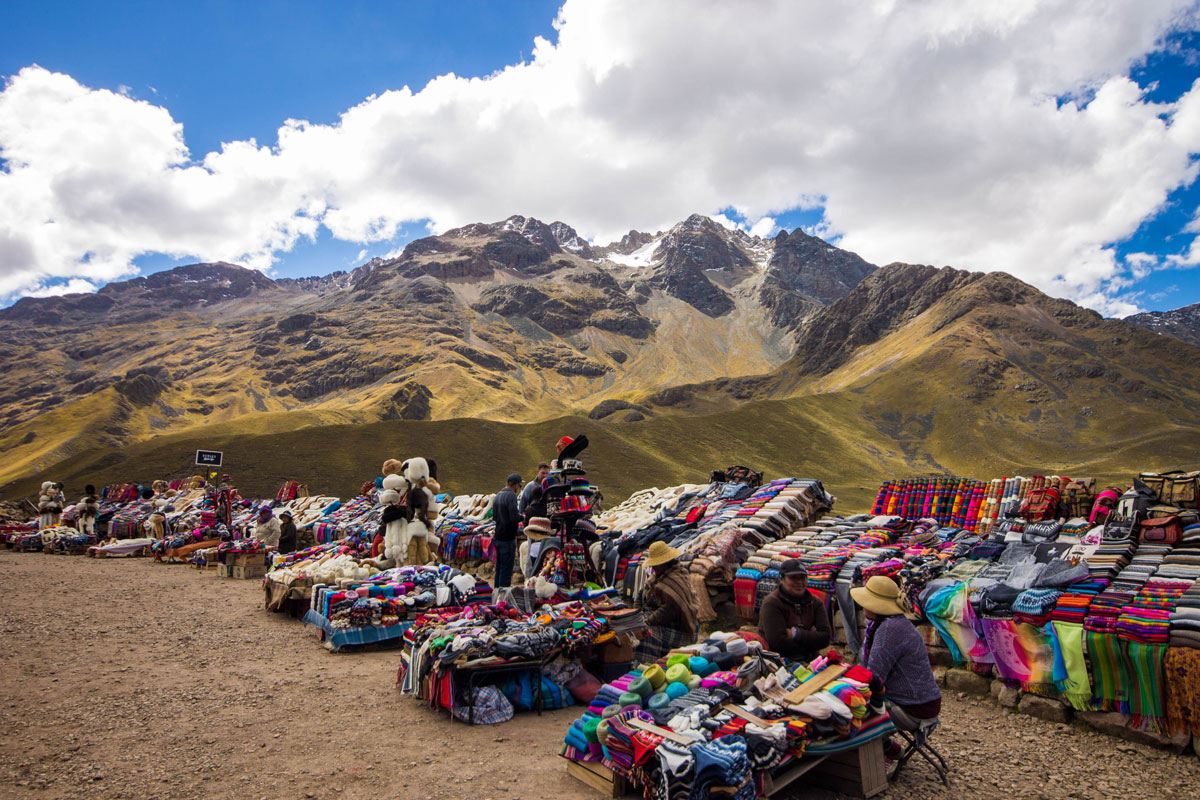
(506, 516)
(531, 495)
(287, 533)
(792, 621)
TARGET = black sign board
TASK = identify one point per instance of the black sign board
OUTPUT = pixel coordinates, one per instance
(209, 458)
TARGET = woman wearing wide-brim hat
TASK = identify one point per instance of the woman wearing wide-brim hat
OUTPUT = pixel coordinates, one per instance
(895, 652)
(669, 602)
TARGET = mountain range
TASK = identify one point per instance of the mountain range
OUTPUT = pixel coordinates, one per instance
(678, 351)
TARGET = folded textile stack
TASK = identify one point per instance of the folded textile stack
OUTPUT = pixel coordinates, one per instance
(1142, 567)
(1110, 558)
(1106, 609)
(1185, 619)
(1035, 606)
(1147, 618)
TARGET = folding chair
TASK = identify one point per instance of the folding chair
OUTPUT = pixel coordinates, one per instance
(916, 733)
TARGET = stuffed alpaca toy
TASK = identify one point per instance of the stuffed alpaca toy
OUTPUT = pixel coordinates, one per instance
(394, 522)
(155, 524)
(422, 510)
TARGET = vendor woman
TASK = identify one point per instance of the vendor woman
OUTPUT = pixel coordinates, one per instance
(267, 529)
(669, 602)
(895, 652)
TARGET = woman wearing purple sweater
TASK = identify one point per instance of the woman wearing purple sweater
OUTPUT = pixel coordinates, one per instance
(894, 651)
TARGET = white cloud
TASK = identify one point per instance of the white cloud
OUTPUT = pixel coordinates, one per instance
(931, 130)
(73, 286)
(764, 227)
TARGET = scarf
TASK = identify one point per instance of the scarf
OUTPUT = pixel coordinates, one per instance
(1070, 664)
(1110, 671)
(1022, 653)
(1146, 700)
(673, 586)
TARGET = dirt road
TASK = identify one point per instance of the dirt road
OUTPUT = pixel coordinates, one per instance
(129, 679)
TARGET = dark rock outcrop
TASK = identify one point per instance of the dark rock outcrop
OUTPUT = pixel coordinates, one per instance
(688, 250)
(806, 273)
(410, 401)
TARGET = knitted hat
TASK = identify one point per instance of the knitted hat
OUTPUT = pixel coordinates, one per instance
(656, 676)
(677, 658)
(737, 646)
(678, 673)
(538, 528)
(879, 596)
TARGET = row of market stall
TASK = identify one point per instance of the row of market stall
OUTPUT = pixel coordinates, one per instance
(1068, 591)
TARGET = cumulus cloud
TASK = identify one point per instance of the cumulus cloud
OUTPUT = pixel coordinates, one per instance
(984, 136)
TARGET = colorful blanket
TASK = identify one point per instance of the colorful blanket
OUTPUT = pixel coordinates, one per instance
(1022, 653)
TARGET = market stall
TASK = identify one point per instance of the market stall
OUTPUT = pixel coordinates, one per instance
(482, 661)
(726, 718)
(363, 610)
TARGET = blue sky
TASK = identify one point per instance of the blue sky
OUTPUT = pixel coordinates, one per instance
(633, 115)
(236, 70)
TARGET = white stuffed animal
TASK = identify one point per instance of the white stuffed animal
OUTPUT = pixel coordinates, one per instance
(395, 533)
(422, 509)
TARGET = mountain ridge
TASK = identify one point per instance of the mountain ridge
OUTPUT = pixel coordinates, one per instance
(690, 332)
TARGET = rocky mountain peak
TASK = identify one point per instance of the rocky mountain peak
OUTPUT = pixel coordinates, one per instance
(569, 239)
(1182, 323)
(534, 230)
(152, 296)
(804, 273)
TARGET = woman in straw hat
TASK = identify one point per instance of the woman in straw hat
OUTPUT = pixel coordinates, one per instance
(895, 652)
(672, 613)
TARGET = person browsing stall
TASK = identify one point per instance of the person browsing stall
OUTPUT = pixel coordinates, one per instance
(669, 603)
(532, 491)
(506, 516)
(793, 622)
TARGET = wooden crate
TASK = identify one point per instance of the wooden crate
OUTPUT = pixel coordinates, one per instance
(857, 773)
(599, 777)
(249, 572)
(224, 571)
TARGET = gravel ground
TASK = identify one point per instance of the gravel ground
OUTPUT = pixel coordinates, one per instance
(130, 679)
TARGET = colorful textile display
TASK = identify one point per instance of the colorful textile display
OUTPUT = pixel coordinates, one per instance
(717, 747)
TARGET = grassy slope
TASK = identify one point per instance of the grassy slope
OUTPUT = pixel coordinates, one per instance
(970, 386)
(838, 438)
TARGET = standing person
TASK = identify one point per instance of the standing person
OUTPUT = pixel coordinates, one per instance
(527, 493)
(60, 500)
(532, 492)
(226, 496)
(793, 622)
(89, 511)
(287, 533)
(504, 512)
(267, 530)
(672, 612)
